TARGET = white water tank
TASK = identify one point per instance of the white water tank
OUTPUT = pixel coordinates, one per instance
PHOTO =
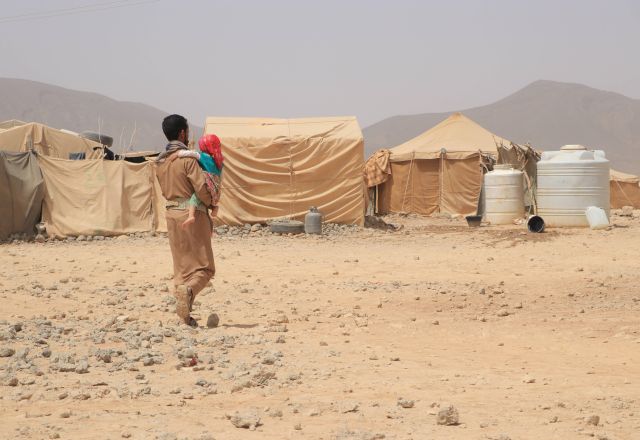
(503, 195)
(569, 181)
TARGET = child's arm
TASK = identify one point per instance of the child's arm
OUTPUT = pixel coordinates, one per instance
(189, 153)
(185, 153)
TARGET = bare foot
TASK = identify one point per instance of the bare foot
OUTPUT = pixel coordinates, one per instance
(188, 222)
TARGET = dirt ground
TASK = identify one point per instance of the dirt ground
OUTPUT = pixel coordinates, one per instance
(357, 335)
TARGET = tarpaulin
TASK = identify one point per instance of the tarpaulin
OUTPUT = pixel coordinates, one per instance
(21, 193)
(281, 167)
(96, 197)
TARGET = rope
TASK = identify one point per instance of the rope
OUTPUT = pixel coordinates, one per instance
(291, 180)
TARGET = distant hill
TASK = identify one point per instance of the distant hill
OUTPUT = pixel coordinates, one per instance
(58, 107)
(546, 114)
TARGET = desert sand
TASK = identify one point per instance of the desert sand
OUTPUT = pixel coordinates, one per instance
(359, 334)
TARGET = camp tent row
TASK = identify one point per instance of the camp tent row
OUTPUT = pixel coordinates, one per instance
(78, 197)
(273, 168)
(441, 170)
(84, 196)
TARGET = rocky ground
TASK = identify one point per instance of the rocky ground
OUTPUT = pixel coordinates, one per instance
(430, 331)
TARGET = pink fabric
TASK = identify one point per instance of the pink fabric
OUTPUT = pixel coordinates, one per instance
(210, 144)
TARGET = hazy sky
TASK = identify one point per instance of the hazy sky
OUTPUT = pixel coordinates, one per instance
(373, 59)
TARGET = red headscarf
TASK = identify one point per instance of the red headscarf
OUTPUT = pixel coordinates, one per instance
(210, 144)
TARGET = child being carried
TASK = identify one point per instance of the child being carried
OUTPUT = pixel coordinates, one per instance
(210, 160)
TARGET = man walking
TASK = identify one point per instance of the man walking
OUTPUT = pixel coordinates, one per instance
(193, 264)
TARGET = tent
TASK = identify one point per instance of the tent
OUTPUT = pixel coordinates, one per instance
(625, 190)
(97, 197)
(48, 141)
(21, 193)
(5, 125)
(278, 168)
(442, 169)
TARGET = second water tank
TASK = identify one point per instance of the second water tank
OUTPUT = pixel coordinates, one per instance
(569, 181)
(503, 195)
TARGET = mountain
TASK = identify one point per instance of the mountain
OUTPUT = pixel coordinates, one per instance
(78, 111)
(547, 115)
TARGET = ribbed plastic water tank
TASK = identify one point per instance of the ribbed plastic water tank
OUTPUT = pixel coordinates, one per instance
(503, 195)
(569, 181)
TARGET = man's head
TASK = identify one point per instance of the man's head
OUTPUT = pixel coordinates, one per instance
(176, 128)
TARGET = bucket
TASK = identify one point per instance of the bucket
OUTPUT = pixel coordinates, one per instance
(535, 223)
(473, 220)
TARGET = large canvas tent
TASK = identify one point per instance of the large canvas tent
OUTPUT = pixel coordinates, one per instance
(280, 167)
(21, 193)
(441, 170)
(48, 141)
(624, 189)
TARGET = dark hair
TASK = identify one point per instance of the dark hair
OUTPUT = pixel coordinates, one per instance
(172, 125)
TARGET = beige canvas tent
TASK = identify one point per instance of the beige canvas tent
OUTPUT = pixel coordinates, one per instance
(625, 190)
(48, 141)
(281, 167)
(440, 170)
(98, 197)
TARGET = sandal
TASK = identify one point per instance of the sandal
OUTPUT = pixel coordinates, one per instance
(183, 302)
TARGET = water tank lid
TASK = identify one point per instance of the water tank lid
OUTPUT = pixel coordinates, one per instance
(573, 148)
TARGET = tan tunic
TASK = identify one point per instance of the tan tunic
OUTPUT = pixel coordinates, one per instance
(193, 263)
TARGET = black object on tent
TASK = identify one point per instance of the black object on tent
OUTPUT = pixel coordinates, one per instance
(21, 193)
(77, 156)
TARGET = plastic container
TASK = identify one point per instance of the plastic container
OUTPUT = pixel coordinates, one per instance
(569, 181)
(474, 221)
(597, 218)
(503, 195)
(313, 221)
(535, 223)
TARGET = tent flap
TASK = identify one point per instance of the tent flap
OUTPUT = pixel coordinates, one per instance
(433, 186)
(21, 193)
(461, 185)
(95, 197)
